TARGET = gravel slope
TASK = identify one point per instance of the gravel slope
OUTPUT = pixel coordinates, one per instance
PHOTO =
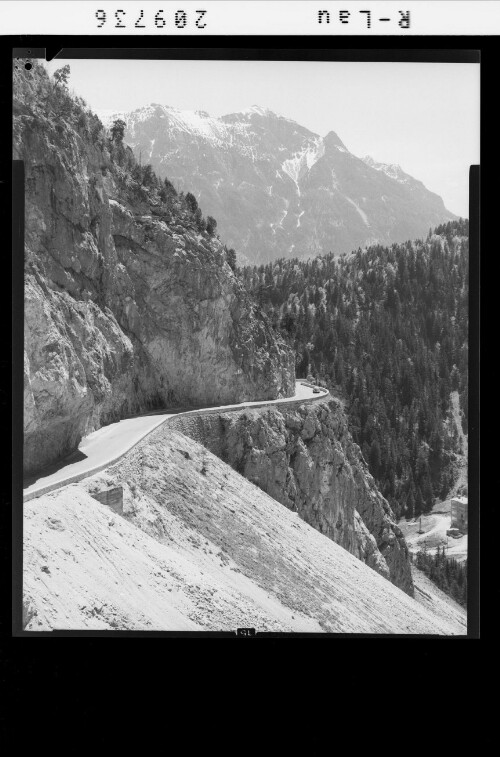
(198, 547)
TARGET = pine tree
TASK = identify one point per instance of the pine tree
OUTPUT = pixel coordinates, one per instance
(118, 130)
(410, 505)
(375, 458)
(211, 225)
(199, 220)
(191, 202)
(419, 502)
(61, 76)
(231, 258)
(148, 176)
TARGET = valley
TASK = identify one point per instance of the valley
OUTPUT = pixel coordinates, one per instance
(428, 532)
(181, 271)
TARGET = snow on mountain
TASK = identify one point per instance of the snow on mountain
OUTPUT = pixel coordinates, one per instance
(393, 170)
(258, 110)
(276, 188)
(303, 161)
(196, 122)
(361, 212)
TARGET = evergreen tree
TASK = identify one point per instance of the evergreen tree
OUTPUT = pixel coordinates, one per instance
(148, 176)
(199, 220)
(231, 258)
(118, 130)
(191, 202)
(211, 225)
(375, 458)
(61, 76)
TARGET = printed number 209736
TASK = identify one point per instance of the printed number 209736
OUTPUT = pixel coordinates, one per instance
(119, 17)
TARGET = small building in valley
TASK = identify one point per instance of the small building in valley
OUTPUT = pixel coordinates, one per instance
(459, 513)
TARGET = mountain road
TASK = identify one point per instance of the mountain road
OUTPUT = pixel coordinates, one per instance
(108, 444)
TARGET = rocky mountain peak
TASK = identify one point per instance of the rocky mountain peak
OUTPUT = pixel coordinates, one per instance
(260, 111)
(332, 140)
(393, 170)
(249, 113)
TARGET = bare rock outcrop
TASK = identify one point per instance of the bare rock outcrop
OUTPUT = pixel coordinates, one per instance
(130, 305)
(304, 457)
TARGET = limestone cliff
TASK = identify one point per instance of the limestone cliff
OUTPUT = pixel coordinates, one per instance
(304, 457)
(129, 303)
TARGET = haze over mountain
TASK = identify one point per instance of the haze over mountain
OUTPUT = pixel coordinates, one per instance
(278, 189)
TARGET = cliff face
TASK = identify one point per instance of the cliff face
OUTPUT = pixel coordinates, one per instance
(128, 305)
(304, 457)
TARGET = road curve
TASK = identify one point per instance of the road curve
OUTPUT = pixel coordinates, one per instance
(108, 444)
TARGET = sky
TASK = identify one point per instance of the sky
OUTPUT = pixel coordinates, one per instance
(423, 116)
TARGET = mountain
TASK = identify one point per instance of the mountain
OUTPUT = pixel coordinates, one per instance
(130, 304)
(278, 189)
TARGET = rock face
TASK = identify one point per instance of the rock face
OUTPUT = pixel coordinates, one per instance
(304, 457)
(128, 305)
(276, 188)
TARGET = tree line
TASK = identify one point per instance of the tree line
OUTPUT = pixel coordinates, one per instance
(448, 574)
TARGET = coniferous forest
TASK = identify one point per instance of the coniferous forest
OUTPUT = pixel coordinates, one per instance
(386, 330)
(448, 574)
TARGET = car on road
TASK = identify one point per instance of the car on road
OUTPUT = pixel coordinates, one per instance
(316, 391)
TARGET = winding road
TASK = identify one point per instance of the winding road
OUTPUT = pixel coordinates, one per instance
(108, 444)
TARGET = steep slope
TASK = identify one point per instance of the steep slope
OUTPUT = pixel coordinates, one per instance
(304, 457)
(431, 597)
(276, 188)
(197, 547)
(128, 304)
